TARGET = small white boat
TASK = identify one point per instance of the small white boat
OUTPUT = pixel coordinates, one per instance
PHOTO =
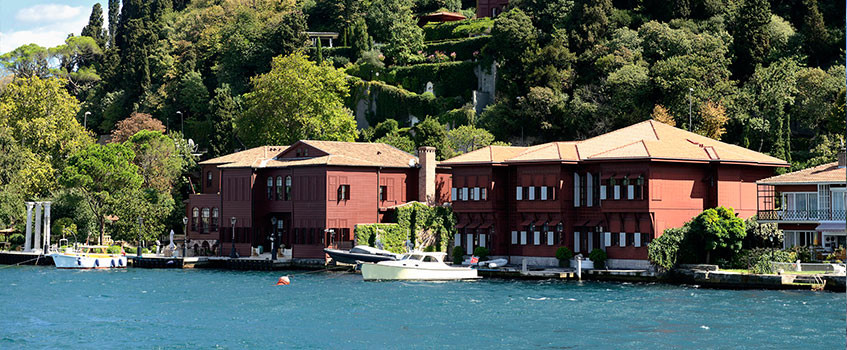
(422, 266)
(88, 257)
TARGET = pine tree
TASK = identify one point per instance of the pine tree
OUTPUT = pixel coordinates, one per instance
(589, 23)
(94, 29)
(814, 33)
(751, 36)
(114, 13)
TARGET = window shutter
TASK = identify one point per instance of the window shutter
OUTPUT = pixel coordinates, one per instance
(576, 189)
(637, 242)
(608, 239)
(589, 190)
(623, 239)
(576, 241)
(333, 188)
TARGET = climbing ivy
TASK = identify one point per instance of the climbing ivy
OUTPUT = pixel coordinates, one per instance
(431, 226)
(389, 102)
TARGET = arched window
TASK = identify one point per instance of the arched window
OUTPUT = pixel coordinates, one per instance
(215, 215)
(208, 180)
(195, 217)
(288, 188)
(205, 220)
(270, 188)
(279, 188)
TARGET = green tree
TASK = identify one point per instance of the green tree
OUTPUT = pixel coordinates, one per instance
(719, 231)
(431, 133)
(405, 40)
(750, 31)
(94, 28)
(224, 109)
(157, 159)
(467, 138)
(102, 174)
(815, 34)
(382, 15)
(125, 129)
(589, 23)
(77, 61)
(114, 13)
(546, 15)
(296, 100)
(360, 41)
(27, 61)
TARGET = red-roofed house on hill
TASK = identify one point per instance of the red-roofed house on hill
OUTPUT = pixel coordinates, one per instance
(808, 205)
(316, 190)
(615, 192)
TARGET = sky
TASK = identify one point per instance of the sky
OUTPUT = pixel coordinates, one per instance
(44, 22)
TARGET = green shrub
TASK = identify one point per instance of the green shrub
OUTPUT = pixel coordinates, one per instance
(130, 250)
(663, 251)
(759, 260)
(339, 61)
(450, 79)
(481, 253)
(804, 254)
(458, 255)
(457, 29)
(115, 249)
(342, 51)
(17, 239)
(465, 49)
(599, 257)
(564, 254)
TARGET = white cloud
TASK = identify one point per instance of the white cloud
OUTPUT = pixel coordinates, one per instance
(48, 36)
(48, 12)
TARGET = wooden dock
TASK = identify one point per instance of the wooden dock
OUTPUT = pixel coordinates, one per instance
(161, 262)
(25, 258)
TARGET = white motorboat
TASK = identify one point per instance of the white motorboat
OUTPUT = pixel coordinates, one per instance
(416, 265)
(88, 257)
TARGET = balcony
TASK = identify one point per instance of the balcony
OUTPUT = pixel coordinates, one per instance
(802, 215)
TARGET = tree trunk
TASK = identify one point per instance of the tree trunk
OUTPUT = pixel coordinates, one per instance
(102, 229)
(708, 253)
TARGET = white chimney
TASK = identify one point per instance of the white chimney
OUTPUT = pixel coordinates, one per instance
(426, 174)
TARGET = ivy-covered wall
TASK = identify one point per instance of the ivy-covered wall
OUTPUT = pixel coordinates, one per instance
(457, 29)
(464, 48)
(384, 101)
(449, 79)
(430, 227)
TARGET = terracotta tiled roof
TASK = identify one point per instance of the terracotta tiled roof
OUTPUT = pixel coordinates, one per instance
(338, 153)
(826, 173)
(247, 157)
(646, 140)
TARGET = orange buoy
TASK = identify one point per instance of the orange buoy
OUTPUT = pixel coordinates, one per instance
(283, 281)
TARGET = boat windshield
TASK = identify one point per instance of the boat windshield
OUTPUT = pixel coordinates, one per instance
(413, 257)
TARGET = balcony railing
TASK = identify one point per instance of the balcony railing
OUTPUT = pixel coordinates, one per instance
(802, 215)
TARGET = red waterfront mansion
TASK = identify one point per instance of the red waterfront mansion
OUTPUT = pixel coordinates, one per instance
(316, 190)
(615, 192)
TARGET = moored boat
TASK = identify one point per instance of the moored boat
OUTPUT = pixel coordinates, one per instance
(88, 257)
(361, 253)
(422, 266)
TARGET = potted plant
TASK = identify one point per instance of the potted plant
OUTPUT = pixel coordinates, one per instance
(598, 257)
(564, 254)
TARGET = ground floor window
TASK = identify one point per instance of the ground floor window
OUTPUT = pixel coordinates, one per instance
(799, 239)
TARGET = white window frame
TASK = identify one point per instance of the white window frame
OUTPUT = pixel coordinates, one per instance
(482, 240)
(465, 194)
(523, 237)
(551, 237)
(630, 192)
(543, 190)
(795, 211)
(536, 238)
(637, 240)
(622, 241)
(602, 192)
(531, 193)
(453, 194)
(476, 193)
(617, 192)
(514, 237)
(608, 239)
(519, 193)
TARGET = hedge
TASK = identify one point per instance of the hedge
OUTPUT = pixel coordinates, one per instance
(464, 48)
(418, 219)
(457, 29)
(326, 52)
(390, 102)
(450, 79)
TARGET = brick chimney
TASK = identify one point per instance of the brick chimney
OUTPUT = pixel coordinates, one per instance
(426, 174)
(842, 157)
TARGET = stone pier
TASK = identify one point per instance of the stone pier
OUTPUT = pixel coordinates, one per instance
(28, 243)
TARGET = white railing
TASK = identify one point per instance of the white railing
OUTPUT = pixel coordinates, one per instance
(809, 267)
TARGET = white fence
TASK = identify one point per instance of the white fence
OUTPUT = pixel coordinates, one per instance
(809, 267)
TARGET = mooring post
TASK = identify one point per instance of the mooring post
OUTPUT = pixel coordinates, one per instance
(579, 268)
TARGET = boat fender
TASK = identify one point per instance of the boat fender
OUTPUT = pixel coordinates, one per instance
(283, 281)
(78, 261)
(97, 262)
(120, 262)
(113, 262)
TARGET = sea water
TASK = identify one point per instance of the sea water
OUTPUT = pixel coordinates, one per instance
(187, 309)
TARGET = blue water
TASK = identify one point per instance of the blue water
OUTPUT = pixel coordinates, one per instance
(175, 309)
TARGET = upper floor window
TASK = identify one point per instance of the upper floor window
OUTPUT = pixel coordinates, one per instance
(208, 179)
(839, 198)
(454, 194)
(800, 201)
(279, 188)
(288, 188)
(383, 193)
(206, 220)
(270, 188)
(531, 193)
(465, 195)
(543, 193)
(483, 193)
(519, 193)
(343, 192)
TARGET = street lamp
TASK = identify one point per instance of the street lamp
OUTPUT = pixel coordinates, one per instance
(138, 245)
(273, 237)
(232, 253)
(690, 90)
(85, 120)
(181, 123)
(185, 234)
